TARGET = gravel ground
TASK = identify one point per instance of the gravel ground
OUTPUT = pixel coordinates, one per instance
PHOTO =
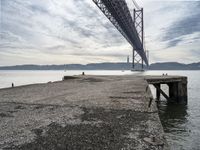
(83, 112)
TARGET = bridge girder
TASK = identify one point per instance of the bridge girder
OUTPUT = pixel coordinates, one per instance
(119, 15)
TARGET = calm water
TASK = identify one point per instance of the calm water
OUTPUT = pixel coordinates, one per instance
(181, 123)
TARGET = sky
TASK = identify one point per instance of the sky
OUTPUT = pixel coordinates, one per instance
(77, 32)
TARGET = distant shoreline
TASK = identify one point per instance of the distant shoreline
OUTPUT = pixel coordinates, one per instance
(106, 66)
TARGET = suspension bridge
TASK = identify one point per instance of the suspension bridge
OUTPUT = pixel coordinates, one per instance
(130, 26)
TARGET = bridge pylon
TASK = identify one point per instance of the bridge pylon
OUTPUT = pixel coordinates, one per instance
(138, 20)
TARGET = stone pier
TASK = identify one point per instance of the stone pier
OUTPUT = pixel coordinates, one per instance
(81, 112)
(177, 87)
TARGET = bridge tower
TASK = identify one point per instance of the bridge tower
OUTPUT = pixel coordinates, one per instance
(138, 19)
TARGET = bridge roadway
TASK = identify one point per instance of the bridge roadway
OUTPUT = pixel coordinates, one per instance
(81, 112)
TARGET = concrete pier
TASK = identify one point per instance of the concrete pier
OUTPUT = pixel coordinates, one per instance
(81, 112)
(177, 87)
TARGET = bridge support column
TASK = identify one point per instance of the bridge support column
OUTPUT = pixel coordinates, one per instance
(157, 92)
(138, 18)
(173, 91)
(182, 91)
(178, 91)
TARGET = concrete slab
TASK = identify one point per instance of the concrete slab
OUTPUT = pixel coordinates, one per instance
(85, 112)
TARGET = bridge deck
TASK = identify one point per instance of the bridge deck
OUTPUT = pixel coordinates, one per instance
(86, 112)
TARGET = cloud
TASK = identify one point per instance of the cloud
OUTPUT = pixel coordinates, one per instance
(76, 31)
(186, 25)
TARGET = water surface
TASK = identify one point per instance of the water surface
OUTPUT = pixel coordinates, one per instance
(181, 123)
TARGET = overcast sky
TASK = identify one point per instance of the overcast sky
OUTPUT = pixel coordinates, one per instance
(76, 31)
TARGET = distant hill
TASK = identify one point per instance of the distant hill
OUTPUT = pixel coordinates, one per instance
(174, 66)
(106, 66)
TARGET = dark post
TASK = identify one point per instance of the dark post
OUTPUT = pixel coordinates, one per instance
(158, 93)
(173, 91)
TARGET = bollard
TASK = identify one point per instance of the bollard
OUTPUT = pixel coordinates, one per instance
(12, 85)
